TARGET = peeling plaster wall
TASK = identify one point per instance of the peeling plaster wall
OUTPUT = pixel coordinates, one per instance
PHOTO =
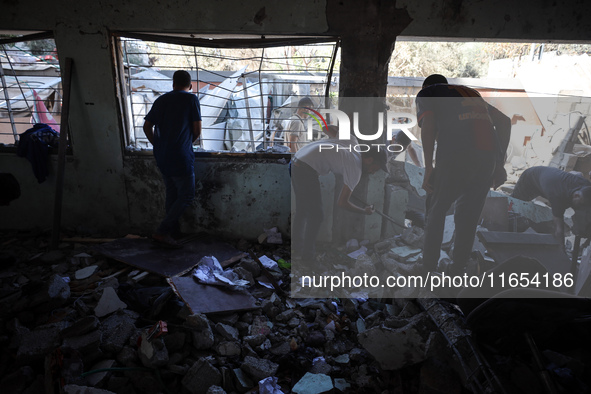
(98, 186)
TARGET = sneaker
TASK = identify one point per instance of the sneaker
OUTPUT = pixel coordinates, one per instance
(165, 241)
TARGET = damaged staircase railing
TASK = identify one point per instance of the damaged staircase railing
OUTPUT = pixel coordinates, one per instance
(477, 374)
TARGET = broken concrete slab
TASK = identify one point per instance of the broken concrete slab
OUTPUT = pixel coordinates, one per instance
(55, 293)
(116, 331)
(342, 385)
(228, 349)
(139, 253)
(494, 215)
(109, 303)
(37, 343)
(228, 332)
(396, 348)
(85, 272)
(203, 337)
(259, 368)
(402, 253)
(201, 376)
(216, 390)
(202, 298)
(313, 384)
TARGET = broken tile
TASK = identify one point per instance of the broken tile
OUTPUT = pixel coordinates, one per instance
(85, 272)
(108, 303)
(313, 384)
(341, 385)
(404, 252)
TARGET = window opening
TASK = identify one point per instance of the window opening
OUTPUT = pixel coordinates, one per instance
(248, 94)
(31, 85)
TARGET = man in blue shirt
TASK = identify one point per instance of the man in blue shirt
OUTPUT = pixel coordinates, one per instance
(172, 126)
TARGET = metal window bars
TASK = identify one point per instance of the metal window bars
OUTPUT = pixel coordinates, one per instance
(248, 93)
(31, 90)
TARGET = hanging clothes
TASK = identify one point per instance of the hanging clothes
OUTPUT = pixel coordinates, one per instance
(34, 144)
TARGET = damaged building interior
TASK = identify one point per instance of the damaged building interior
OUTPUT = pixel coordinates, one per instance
(91, 302)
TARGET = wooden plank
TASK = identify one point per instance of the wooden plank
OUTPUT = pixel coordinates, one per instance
(202, 298)
(141, 253)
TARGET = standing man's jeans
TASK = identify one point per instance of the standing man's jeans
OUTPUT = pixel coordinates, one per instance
(308, 209)
(465, 180)
(180, 192)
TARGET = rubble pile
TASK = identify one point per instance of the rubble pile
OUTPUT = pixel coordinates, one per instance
(75, 321)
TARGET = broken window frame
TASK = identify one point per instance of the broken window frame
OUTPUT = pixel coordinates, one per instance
(22, 84)
(130, 120)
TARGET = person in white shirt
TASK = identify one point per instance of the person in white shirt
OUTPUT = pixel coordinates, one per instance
(296, 130)
(320, 158)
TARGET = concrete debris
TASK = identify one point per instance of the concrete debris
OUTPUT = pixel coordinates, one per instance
(98, 321)
(109, 303)
(228, 332)
(216, 390)
(313, 384)
(201, 376)
(273, 236)
(259, 368)
(152, 352)
(397, 348)
(342, 385)
(228, 349)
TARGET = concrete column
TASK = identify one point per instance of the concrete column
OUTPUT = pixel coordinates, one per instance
(368, 33)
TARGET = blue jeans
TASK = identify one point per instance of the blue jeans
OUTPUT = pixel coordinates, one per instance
(180, 192)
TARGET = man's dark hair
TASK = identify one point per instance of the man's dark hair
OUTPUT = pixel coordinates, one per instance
(434, 79)
(379, 156)
(9, 188)
(306, 102)
(586, 192)
(402, 138)
(181, 79)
